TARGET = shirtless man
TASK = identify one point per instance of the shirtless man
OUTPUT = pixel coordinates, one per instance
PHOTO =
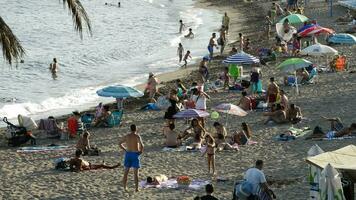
(77, 164)
(226, 22)
(245, 102)
(334, 134)
(190, 35)
(294, 114)
(133, 150)
(212, 44)
(54, 66)
(181, 26)
(272, 92)
(278, 116)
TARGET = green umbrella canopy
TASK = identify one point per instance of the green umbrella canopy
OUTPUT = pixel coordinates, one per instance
(295, 19)
(293, 64)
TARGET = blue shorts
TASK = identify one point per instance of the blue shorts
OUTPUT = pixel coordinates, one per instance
(132, 160)
(210, 49)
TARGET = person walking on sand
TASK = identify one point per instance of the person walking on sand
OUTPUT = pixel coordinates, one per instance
(185, 59)
(181, 26)
(242, 43)
(211, 45)
(54, 66)
(180, 52)
(133, 150)
(226, 22)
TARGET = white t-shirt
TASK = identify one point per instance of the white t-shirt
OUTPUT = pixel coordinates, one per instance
(255, 177)
(200, 102)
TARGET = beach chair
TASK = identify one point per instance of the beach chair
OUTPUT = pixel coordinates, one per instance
(115, 118)
(87, 119)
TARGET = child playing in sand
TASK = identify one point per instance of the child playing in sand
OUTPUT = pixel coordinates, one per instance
(210, 152)
(186, 56)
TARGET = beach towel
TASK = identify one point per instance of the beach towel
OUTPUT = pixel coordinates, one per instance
(180, 149)
(44, 149)
(196, 184)
(292, 133)
(337, 138)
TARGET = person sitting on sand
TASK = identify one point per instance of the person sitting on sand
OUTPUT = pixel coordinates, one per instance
(209, 189)
(272, 92)
(156, 180)
(334, 134)
(103, 120)
(83, 143)
(190, 35)
(284, 100)
(196, 131)
(242, 137)
(245, 102)
(210, 152)
(220, 137)
(77, 164)
(294, 114)
(233, 51)
(278, 116)
(171, 136)
(304, 74)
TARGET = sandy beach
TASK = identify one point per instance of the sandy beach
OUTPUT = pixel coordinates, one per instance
(32, 175)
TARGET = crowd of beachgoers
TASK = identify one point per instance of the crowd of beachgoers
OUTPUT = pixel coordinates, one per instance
(252, 107)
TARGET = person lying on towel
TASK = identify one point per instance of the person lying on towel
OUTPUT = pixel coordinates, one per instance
(156, 180)
(347, 131)
(78, 164)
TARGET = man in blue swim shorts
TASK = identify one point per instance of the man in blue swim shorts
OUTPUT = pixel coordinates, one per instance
(133, 149)
(211, 45)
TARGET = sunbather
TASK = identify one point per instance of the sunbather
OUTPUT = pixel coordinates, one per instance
(83, 143)
(272, 92)
(77, 164)
(196, 131)
(103, 119)
(242, 137)
(294, 114)
(334, 134)
(278, 116)
(156, 180)
(245, 102)
(335, 124)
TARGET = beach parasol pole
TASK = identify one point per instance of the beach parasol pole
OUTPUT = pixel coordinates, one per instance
(296, 82)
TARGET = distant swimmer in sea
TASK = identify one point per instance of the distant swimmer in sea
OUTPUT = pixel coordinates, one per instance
(190, 34)
(181, 26)
(119, 4)
(54, 66)
(111, 4)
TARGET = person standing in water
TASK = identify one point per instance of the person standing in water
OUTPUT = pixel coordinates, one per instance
(181, 26)
(180, 52)
(133, 150)
(185, 59)
(54, 66)
(226, 22)
(211, 45)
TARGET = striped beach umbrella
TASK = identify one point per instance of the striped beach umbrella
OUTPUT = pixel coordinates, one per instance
(191, 113)
(240, 58)
(313, 29)
(342, 38)
(294, 19)
(119, 91)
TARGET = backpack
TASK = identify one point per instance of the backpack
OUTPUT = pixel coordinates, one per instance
(242, 189)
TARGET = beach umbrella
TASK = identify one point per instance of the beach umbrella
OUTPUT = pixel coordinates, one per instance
(240, 58)
(293, 64)
(342, 38)
(230, 109)
(314, 173)
(285, 36)
(119, 92)
(295, 19)
(191, 113)
(330, 184)
(314, 30)
(319, 50)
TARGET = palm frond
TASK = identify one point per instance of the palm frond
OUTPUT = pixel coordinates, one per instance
(79, 16)
(11, 47)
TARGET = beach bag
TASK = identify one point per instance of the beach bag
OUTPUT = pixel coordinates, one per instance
(243, 189)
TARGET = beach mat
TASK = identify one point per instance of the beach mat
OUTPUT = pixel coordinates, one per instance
(292, 133)
(44, 149)
(336, 138)
(180, 149)
(196, 184)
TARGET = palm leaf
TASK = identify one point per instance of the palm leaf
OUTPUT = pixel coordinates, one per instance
(11, 47)
(79, 16)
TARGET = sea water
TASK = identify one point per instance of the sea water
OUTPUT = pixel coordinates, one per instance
(127, 43)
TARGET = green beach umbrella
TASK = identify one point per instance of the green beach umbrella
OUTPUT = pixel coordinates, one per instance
(292, 65)
(295, 19)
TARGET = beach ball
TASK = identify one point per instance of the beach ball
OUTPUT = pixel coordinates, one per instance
(214, 115)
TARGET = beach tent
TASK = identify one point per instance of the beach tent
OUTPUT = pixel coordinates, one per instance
(314, 173)
(343, 159)
(342, 38)
(330, 184)
(119, 92)
(294, 19)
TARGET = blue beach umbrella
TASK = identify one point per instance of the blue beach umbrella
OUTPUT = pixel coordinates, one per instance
(342, 38)
(240, 58)
(119, 92)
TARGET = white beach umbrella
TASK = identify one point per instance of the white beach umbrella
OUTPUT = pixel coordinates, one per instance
(314, 174)
(330, 184)
(231, 109)
(319, 50)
